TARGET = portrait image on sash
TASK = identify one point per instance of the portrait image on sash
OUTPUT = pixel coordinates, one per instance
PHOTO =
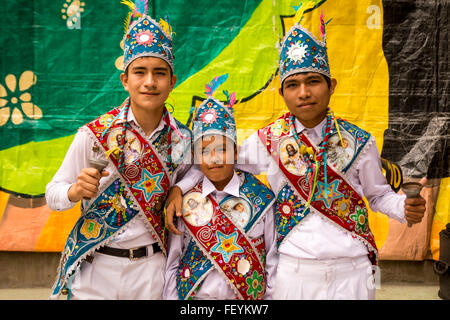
(238, 210)
(197, 210)
(291, 158)
(340, 153)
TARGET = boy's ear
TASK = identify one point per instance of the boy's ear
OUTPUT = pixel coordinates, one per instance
(124, 80)
(333, 85)
(173, 81)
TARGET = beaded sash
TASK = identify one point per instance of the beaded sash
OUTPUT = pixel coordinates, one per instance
(335, 199)
(218, 241)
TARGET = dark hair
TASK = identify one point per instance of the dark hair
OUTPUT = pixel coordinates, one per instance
(328, 80)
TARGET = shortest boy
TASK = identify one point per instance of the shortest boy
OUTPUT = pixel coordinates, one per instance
(227, 249)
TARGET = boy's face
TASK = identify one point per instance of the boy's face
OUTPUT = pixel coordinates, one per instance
(149, 83)
(216, 156)
(307, 96)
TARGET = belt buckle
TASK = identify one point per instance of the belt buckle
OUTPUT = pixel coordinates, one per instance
(131, 254)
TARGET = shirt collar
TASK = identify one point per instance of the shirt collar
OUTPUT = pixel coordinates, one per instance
(299, 127)
(232, 188)
(132, 119)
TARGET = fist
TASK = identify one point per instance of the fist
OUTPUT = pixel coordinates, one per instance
(414, 209)
(87, 184)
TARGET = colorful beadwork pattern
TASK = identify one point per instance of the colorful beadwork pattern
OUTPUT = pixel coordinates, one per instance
(108, 214)
(289, 212)
(342, 200)
(150, 193)
(222, 245)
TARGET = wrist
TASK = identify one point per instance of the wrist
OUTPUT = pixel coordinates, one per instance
(72, 194)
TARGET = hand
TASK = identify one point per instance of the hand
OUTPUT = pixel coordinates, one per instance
(87, 184)
(414, 209)
(173, 207)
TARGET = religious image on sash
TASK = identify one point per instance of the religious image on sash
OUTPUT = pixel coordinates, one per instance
(197, 210)
(291, 158)
(132, 146)
(238, 210)
(340, 153)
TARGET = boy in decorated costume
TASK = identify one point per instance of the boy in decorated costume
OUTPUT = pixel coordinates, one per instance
(117, 248)
(326, 249)
(230, 251)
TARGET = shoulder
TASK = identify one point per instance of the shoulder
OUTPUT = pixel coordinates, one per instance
(257, 186)
(182, 127)
(105, 119)
(352, 128)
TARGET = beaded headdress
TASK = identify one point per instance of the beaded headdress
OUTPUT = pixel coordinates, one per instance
(300, 51)
(144, 36)
(214, 117)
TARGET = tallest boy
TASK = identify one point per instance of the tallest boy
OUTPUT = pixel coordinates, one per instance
(320, 168)
(117, 248)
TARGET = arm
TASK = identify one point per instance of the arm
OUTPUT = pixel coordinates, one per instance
(380, 195)
(174, 201)
(173, 260)
(74, 180)
(270, 239)
(253, 156)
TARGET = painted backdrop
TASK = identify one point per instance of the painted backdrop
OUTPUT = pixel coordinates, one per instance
(61, 59)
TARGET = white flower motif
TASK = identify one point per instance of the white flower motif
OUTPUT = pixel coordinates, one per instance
(297, 52)
(10, 101)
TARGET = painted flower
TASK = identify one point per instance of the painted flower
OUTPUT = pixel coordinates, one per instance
(254, 284)
(15, 101)
(71, 12)
(360, 217)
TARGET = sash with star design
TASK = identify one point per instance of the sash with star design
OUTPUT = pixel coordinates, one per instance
(140, 188)
(337, 200)
(219, 242)
(144, 175)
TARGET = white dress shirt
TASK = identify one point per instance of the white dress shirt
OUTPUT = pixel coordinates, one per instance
(136, 232)
(214, 286)
(315, 237)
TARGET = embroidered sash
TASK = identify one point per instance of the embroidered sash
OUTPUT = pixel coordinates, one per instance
(342, 205)
(142, 188)
(220, 242)
(143, 173)
(106, 216)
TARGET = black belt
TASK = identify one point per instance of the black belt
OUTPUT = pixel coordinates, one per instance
(132, 254)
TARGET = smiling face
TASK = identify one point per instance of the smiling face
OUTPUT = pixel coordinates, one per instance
(216, 155)
(149, 82)
(307, 96)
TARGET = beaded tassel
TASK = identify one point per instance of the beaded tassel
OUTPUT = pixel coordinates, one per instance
(314, 160)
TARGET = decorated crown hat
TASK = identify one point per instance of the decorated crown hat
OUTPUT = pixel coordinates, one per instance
(300, 51)
(212, 117)
(145, 37)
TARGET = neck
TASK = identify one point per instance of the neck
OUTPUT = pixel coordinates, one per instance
(313, 122)
(148, 120)
(220, 185)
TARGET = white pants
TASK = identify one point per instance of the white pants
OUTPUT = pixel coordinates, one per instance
(335, 279)
(115, 278)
